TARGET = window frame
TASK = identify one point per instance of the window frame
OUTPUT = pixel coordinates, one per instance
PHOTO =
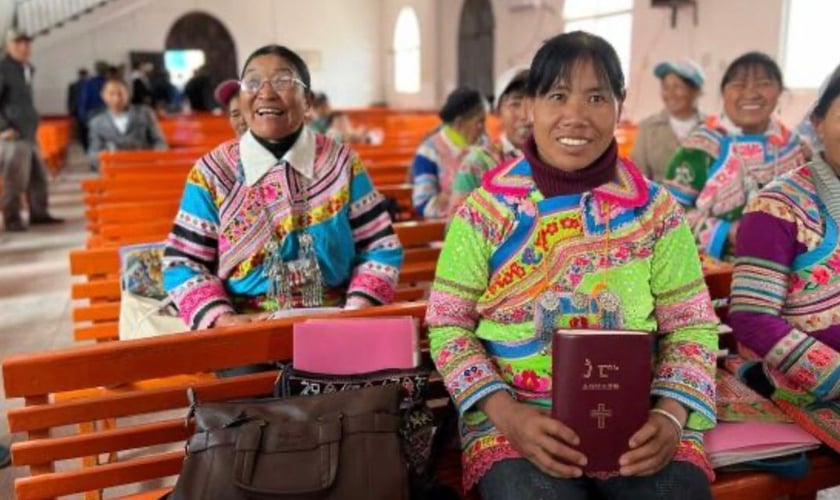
(407, 52)
(599, 15)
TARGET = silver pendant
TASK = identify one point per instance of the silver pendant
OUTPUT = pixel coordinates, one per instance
(546, 314)
(611, 316)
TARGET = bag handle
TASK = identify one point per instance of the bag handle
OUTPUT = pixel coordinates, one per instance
(249, 449)
(324, 437)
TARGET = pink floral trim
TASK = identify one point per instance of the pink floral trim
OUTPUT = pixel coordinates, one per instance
(196, 296)
(477, 465)
(447, 309)
(193, 296)
(684, 313)
(373, 286)
(494, 178)
(630, 190)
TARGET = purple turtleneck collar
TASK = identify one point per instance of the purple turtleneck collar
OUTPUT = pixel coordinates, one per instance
(552, 181)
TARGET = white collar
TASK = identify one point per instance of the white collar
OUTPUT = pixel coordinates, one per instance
(507, 146)
(257, 160)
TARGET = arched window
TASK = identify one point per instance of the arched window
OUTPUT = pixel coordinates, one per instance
(407, 52)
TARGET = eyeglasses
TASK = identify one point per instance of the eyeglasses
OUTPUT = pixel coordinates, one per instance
(280, 83)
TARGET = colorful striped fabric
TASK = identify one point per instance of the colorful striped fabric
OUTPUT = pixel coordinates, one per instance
(214, 258)
(785, 306)
(478, 161)
(433, 171)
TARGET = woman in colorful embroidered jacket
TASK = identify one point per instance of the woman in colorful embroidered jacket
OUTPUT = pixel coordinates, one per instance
(573, 233)
(786, 286)
(727, 160)
(516, 126)
(439, 156)
(284, 217)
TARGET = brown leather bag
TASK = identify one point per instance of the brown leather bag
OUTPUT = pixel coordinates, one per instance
(337, 446)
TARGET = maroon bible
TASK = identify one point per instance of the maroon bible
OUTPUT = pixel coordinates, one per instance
(601, 390)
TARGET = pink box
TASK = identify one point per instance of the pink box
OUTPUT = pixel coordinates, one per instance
(355, 345)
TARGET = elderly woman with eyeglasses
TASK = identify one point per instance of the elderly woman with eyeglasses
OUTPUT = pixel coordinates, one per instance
(281, 218)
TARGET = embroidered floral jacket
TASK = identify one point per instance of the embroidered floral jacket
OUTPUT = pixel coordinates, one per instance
(507, 241)
(719, 169)
(239, 196)
(785, 305)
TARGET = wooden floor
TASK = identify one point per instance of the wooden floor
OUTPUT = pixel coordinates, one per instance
(35, 292)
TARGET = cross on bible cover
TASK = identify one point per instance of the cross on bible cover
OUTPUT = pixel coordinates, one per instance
(601, 383)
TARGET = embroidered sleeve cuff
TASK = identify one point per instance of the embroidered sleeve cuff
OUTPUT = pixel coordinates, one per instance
(209, 316)
(468, 373)
(808, 363)
(686, 373)
(371, 287)
(476, 390)
(200, 301)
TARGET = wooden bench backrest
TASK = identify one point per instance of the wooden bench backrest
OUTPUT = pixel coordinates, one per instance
(126, 205)
(97, 320)
(37, 377)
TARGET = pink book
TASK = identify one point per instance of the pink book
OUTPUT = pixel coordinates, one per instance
(355, 345)
(735, 442)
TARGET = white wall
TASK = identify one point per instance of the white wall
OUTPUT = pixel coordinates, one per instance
(726, 29)
(518, 35)
(345, 33)
(355, 39)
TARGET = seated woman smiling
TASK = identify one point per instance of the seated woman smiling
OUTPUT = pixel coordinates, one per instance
(572, 236)
(725, 162)
(786, 280)
(282, 218)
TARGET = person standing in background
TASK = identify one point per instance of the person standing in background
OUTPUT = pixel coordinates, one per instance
(199, 91)
(22, 167)
(73, 93)
(141, 86)
(90, 99)
(661, 135)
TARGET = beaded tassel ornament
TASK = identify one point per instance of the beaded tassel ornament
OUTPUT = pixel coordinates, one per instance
(303, 273)
(548, 304)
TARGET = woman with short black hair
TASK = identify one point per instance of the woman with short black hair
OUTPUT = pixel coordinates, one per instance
(726, 161)
(572, 236)
(439, 156)
(516, 129)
